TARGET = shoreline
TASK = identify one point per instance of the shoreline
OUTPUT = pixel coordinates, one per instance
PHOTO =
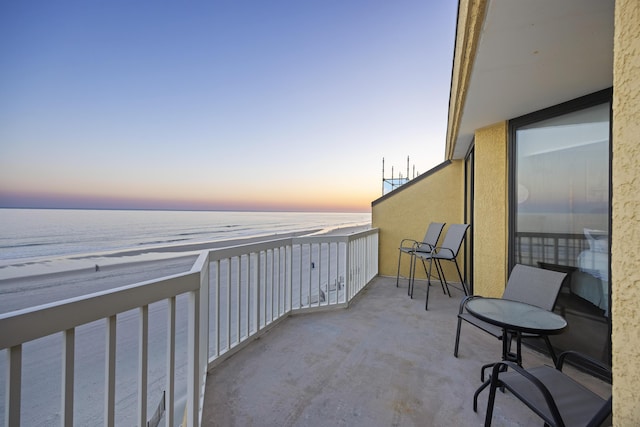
(43, 283)
(32, 270)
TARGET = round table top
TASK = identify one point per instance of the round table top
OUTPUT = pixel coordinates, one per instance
(516, 316)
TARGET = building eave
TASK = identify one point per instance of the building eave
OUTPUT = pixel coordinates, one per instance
(513, 57)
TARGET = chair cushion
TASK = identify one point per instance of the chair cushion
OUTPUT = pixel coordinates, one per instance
(577, 404)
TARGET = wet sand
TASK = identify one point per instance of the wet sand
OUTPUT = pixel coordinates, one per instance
(23, 286)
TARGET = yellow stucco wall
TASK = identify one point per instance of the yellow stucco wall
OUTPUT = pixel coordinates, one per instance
(408, 212)
(490, 211)
(625, 234)
(491, 207)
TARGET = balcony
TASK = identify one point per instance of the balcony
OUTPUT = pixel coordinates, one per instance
(337, 345)
(384, 361)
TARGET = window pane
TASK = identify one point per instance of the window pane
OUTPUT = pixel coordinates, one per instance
(563, 174)
(562, 215)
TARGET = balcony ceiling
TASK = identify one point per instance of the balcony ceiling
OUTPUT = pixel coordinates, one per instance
(535, 54)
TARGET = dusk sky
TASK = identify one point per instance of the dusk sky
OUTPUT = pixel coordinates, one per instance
(230, 105)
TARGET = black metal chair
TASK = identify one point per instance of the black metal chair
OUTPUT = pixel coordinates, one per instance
(410, 246)
(530, 285)
(447, 252)
(554, 396)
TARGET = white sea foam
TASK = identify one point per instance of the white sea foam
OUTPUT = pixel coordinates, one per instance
(44, 241)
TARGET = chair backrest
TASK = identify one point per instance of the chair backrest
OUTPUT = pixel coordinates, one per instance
(453, 240)
(431, 237)
(534, 286)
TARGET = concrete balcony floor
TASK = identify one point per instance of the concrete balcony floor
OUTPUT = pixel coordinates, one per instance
(385, 361)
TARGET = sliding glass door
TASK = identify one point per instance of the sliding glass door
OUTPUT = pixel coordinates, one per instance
(560, 203)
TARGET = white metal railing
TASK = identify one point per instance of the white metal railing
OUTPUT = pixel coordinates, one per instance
(254, 286)
(229, 296)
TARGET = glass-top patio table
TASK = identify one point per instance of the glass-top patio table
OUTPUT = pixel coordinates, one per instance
(514, 318)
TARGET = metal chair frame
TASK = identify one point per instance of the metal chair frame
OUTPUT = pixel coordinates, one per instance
(555, 397)
(410, 246)
(447, 252)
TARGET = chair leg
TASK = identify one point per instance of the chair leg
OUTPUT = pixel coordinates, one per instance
(431, 262)
(485, 384)
(550, 347)
(464, 287)
(477, 393)
(427, 272)
(442, 278)
(455, 350)
(490, 403)
(399, 259)
(398, 275)
(412, 261)
(426, 303)
(410, 284)
(412, 275)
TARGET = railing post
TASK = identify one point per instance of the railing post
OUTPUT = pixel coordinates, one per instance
(347, 271)
(289, 270)
(218, 305)
(193, 362)
(238, 283)
(143, 363)
(228, 302)
(272, 285)
(110, 373)
(14, 382)
(204, 318)
(68, 347)
(171, 361)
(258, 295)
(248, 309)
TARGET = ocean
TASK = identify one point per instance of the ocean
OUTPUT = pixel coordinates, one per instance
(33, 237)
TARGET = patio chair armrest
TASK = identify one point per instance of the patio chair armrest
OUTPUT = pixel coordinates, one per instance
(420, 244)
(546, 394)
(439, 249)
(571, 354)
(412, 243)
(464, 301)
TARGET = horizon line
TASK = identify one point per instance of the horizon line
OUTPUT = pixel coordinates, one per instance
(180, 209)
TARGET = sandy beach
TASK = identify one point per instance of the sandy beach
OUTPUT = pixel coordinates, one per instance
(31, 284)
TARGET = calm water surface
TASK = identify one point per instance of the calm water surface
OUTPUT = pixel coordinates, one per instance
(27, 234)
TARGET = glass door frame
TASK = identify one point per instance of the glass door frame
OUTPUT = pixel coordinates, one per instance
(469, 194)
(597, 98)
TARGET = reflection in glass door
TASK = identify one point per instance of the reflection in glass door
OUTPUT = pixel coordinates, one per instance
(561, 206)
